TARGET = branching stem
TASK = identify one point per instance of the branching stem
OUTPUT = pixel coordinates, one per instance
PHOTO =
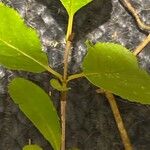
(64, 82)
(65, 79)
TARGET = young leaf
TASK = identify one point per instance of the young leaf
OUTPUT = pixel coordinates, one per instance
(38, 107)
(20, 47)
(32, 147)
(56, 85)
(114, 68)
(72, 6)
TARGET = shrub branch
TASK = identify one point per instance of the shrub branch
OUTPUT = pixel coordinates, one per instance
(64, 82)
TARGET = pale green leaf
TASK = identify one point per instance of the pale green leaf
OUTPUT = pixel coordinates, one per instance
(56, 85)
(20, 47)
(72, 6)
(114, 68)
(32, 147)
(38, 107)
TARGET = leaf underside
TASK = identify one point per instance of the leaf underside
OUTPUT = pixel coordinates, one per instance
(114, 68)
(20, 47)
(38, 107)
(72, 6)
(32, 147)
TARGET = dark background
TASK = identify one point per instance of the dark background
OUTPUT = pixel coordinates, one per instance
(90, 123)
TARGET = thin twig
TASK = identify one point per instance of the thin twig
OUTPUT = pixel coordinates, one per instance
(119, 121)
(63, 119)
(121, 127)
(134, 13)
(140, 24)
(142, 45)
(65, 76)
(66, 56)
(111, 98)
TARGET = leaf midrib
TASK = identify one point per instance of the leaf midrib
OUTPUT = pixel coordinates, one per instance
(23, 53)
(70, 10)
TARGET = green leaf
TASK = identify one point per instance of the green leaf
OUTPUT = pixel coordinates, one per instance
(38, 107)
(114, 68)
(32, 147)
(20, 47)
(72, 6)
(56, 85)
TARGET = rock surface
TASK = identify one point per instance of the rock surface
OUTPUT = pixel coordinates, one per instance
(90, 123)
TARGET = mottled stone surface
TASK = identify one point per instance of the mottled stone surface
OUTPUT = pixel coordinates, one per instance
(90, 123)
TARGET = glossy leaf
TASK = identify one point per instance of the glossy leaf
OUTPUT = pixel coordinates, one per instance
(32, 147)
(56, 85)
(114, 68)
(20, 47)
(72, 6)
(38, 107)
